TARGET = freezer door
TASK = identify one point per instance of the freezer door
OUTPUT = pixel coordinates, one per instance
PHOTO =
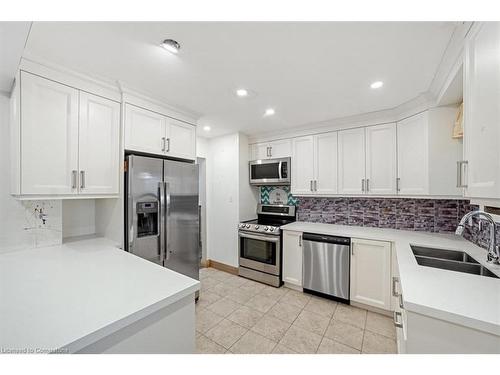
(182, 222)
(144, 211)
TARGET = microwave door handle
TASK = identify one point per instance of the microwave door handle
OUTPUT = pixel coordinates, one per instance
(161, 222)
(279, 169)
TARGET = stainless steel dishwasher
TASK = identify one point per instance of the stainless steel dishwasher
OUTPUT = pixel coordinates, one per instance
(326, 265)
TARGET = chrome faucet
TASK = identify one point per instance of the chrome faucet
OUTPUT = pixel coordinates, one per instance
(493, 251)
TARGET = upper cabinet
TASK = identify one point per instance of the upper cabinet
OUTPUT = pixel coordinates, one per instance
(314, 164)
(274, 149)
(352, 161)
(153, 133)
(481, 172)
(65, 142)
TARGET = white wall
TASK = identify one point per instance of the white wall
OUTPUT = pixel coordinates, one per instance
(228, 197)
(201, 147)
(79, 217)
(20, 225)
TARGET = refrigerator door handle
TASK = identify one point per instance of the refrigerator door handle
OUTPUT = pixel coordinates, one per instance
(167, 218)
(161, 222)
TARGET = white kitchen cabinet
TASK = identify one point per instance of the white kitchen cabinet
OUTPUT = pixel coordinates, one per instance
(413, 152)
(153, 133)
(99, 145)
(351, 161)
(145, 131)
(371, 273)
(48, 137)
(482, 112)
(292, 258)
(65, 143)
(180, 139)
(302, 165)
(325, 163)
(381, 166)
(275, 149)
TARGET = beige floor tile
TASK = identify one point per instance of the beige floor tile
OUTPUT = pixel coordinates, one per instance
(261, 303)
(252, 287)
(351, 315)
(206, 346)
(209, 282)
(374, 343)
(380, 324)
(222, 289)
(253, 343)
(285, 312)
(271, 327)
(245, 316)
(272, 292)
(328, 346)
(235, 281)
(282, 349)
(207, 298)
(239, 295)
(224, 306)
(300, 340)
(321, 306)
(295, 298)
(345, 333)
(206, 319)
(312, 322)
(221, 275)
(226, 333)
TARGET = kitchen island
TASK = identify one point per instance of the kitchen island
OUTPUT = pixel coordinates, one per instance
(88, 296)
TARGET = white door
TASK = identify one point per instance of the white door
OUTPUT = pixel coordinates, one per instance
(413, 167)
(292, 258)
(280, 149)
(260, 151)
(49, 136)
(381, 159)
(325, 163)
(144, 130)
(482, 112)
(302, 165)
(99, 145)
(181, 139)
(351, 161)
(371, 273)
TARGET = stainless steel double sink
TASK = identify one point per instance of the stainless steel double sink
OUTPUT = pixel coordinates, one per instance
(451, 260)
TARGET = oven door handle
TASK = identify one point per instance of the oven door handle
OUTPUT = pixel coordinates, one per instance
(261, 238)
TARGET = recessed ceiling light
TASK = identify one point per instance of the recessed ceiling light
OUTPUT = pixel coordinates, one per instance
(269, 112)
(377, 84)
(171, 45)
(207, 128)
(242, 93)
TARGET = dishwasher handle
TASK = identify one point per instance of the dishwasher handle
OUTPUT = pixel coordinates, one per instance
(326, 239)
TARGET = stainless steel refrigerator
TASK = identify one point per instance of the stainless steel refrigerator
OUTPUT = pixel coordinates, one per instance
(162, 215)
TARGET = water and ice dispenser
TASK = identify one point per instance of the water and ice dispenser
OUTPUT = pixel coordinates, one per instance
(147, 219)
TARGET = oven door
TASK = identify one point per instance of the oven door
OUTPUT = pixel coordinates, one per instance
(270, 172)
(260, 252)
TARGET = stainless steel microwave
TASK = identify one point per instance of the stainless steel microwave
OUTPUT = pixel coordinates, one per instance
(270, 172)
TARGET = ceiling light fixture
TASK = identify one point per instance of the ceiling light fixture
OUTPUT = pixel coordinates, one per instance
(377, 84)
(207, 128)
(171, 46)
(242, 93)
(269, 112)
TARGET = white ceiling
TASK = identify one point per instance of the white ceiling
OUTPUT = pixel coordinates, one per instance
(308, 72)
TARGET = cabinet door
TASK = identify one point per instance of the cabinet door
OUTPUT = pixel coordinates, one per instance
(292, 258)
(325, 163)
(99, 145)
(49, 136)
(281, 148)
(144, 130)
(181, 139)
(260, 151)
(381, 159)
(482, 112)
(351, 161)
(302, 165)
(413, 170)
(371, 273)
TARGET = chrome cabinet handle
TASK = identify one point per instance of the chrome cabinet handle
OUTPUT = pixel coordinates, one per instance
(311, 187)
(363, 185)
(168, 144)
(460, 169)
(315, 185)
(401, 305)
(74, 174)
(398, 184)
(398, 323)
(163, 144)
(82, 179)
(367, 184)
(267, 152)
(352, 248)
(270, 151)
(395, 280)
(300, 241)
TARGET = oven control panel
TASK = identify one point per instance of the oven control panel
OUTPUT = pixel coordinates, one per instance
(259, 228)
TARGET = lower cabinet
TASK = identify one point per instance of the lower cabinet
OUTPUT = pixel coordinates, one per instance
(371, 273)
(292, 258)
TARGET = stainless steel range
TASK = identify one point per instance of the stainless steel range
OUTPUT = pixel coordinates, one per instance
(260, 243)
